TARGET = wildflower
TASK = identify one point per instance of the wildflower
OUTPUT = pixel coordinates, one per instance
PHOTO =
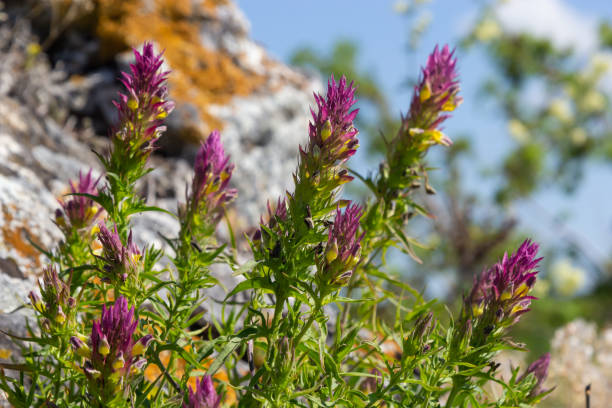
(119, 261)
(213, 170)
(113, 351)
(275, 216)
(37, 303)
(501, 293)
(204, 395)
(55, 300)
(417, 342)
(80, 347)
(343, 249)
(332, 135)
(436, 93)
(142, 344)
(332, 129)
(539, 369)
(438, 89)
(79, 212)
(141, 109)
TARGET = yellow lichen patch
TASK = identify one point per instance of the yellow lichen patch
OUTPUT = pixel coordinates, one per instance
(15, 237)
(200, 76)
(211, 5)
(5, 354)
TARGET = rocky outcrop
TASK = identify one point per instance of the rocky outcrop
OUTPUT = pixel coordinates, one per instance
(58, 76)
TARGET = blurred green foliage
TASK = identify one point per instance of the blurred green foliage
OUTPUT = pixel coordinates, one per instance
(554, 136)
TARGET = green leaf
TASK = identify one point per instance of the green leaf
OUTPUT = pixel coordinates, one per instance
(343, 299)
(228, 349)
(39, 248)
(27, 339)
(185, 355)
(402, 285)
(230, 230)
(140, 208)
(245, 267)
(105, 201)
(368, 182)
(142, 396)
(404, 240)
(16, 367)
(253, 283)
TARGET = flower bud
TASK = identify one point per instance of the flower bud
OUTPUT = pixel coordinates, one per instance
(343, 250)
(332, 252)
(210, 186)
(141, 345)
(477, 309)
(120, 261)
(141, 108)
(78, 211)
(103, 346)
(36, 302)
(204, 395)
(539, 369)
(79, 347)
(90, 371)
(46, 325)
(119, 362)
(425, 92)
(500, 294)
(332, 136)
(71, 302)
(132, 103)
(138, 365)
(60, 317)
(326, 130)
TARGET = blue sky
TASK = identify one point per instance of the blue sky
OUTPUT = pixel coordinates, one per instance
(282, 26)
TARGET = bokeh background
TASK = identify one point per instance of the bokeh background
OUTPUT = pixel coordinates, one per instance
(532, 152)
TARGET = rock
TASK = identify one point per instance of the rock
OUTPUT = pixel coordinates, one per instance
(53, 105)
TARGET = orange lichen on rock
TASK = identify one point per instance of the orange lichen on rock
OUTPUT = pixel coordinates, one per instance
(15, 237)
(200, 76)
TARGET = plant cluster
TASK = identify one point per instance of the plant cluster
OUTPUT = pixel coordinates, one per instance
(115, 328)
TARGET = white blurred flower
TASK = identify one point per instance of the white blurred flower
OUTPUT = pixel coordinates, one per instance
(518, 130)
(420, 26)
(600, 63)
(593, 101)
(487, 30)
(561, 109)
(401, 6)
(578, 136)
(580, 356)
(567, 279)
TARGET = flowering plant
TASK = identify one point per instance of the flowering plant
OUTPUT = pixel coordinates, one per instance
(116, 329)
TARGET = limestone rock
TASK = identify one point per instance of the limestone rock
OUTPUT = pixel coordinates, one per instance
(55, 106)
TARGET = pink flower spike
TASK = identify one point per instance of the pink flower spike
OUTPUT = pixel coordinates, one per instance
(204, 396)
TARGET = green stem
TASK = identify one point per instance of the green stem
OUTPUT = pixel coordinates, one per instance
(278, 310)
(308, 323)
(458, 383)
